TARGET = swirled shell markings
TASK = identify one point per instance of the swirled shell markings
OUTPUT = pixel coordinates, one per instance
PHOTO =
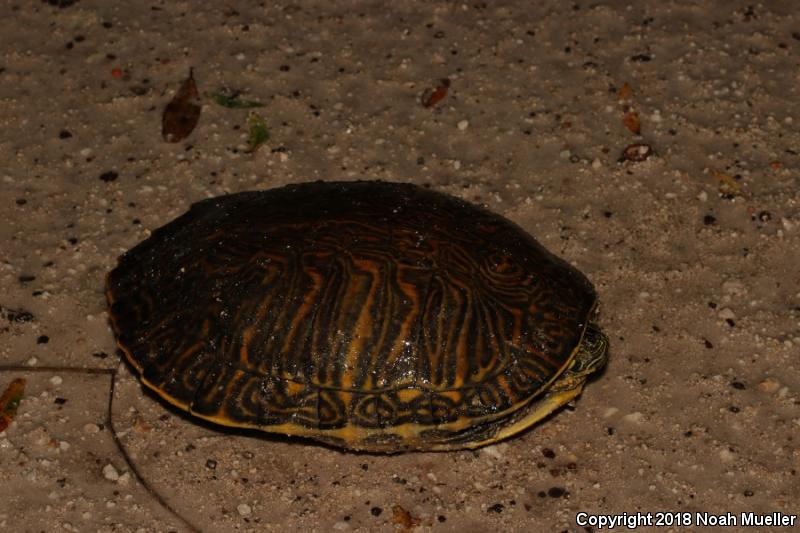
(365, 314)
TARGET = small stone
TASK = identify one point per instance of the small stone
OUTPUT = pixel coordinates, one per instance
(611, 411)
(56, 380)
(635, 418)
(496, 508)
(769, 385)
(339, 526)
(734, 288)
(726, 314)
(463, 124)
(244, 509)
(91, 428)
(496, 451)
(726, 455)
(110, 473)
(597, 164)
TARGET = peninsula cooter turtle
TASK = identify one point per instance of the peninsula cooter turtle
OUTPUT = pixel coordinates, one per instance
(367, 315)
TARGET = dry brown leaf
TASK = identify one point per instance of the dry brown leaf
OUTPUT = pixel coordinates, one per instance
(626, 92)
(432, 96)
(728, 186)
(9, 402)
(631, 121)
(182, 112)
(403, 518)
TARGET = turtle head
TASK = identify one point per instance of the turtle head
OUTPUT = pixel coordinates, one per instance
(590, 357)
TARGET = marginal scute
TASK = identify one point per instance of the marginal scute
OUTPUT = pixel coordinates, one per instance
(370, 315)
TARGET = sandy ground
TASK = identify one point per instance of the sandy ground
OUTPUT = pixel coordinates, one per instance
(694, 251)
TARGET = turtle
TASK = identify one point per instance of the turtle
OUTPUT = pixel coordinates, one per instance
(368, 315)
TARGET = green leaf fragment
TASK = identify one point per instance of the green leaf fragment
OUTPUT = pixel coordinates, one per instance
(259, 134)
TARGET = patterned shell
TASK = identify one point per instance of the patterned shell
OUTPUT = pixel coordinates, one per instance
(368, 315)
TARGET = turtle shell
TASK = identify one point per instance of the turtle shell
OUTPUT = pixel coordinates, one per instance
(369, 315)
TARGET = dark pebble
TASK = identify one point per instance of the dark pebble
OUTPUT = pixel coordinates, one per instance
(496, 508)
(547, 452)
(641, 58)
(748, 493)
(43, 339)
(21, 201)
(737, 385)
(60, 401)
(709, 220)
(212, 464)
(26, 278)
(376, 511)
(60, 3)
(19, 315)
(555, 492)
(109, 176)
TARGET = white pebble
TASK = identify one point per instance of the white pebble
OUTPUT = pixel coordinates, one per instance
(244, 509)
(702, 196)
(596, 164)
(636, 417)
(463, 124)
(110, 473)
(611, 411)
(341, 525)
(726, 455)
(497, 451)
(735, 288)
(726, 314)
(56, 380)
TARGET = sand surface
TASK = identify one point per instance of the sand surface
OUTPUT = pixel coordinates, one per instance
(694, 250)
